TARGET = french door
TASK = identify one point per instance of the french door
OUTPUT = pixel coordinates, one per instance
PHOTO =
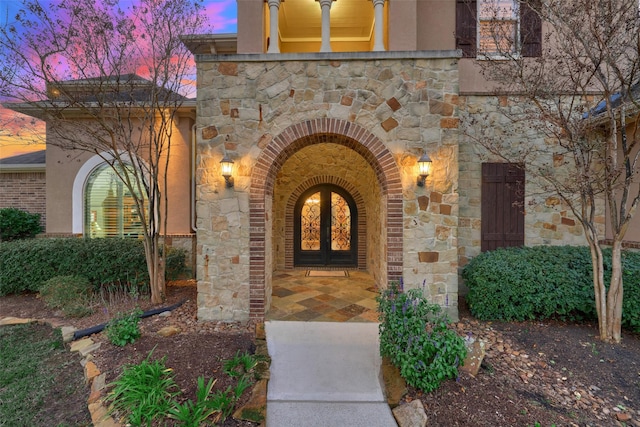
(325, 228)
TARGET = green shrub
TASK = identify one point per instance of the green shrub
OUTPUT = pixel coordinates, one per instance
(26, 265)
(124, 329)
(16, 224)
(415, 336)
(175, 263)
(545, 282)
(71, 294)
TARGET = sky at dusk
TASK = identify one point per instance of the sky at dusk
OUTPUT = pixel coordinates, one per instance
(21, 134)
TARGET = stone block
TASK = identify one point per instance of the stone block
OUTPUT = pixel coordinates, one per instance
(255, 409)
(475, 355)
(411, 414)
(428, 256)
(395, 387)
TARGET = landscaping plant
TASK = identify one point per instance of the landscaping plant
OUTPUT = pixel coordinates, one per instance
(147, 392)
(71, 294)
(27, 265)
(144, 392)
(16, 224)
(415, 336)
(124, 329)
(543, 282)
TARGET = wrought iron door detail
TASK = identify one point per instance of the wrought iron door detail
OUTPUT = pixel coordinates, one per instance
(324, 229)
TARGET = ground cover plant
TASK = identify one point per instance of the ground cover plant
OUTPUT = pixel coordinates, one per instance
(40, 380)
(416, 337)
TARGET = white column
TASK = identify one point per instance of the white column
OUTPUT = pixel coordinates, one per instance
(274, 6)
(326, 25)
(378, 9)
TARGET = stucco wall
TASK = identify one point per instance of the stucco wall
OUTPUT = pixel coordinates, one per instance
(63, 167)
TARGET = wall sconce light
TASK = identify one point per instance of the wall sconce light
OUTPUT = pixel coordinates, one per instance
(424, 167)
(227, 168)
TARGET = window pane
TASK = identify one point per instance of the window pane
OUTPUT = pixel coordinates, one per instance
(310, 223)
(498, 9)
(340, 224)
(497, 37)
(110, 209)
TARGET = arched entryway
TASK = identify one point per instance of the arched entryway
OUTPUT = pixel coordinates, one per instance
(265, 202)
(325, 228)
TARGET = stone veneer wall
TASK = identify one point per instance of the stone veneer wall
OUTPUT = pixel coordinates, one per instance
(262, 110)
(548, 221)
(25, 191)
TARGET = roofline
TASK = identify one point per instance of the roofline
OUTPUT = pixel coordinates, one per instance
(38, 109)
(27, 167)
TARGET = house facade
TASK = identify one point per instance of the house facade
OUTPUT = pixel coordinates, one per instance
(320, 100)
(304, 147)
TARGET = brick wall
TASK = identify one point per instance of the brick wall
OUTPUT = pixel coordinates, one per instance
(25, 191)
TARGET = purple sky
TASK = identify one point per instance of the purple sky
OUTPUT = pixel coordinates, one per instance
(16, 138)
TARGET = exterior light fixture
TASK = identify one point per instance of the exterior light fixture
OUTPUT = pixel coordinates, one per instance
(227, 168)
(424, 167)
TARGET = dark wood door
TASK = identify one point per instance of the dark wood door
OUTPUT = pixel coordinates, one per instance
(325, 228)
(502, 205)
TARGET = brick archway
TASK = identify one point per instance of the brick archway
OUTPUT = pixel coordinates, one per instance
(271, 160)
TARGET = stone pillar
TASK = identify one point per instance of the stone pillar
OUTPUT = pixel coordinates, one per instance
(274, 6)
(326, 25)
(378, 42)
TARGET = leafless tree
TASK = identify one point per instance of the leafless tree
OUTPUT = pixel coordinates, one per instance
(111, 81)
(580, 97)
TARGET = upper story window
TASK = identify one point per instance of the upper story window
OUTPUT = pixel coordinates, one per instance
(497, 28)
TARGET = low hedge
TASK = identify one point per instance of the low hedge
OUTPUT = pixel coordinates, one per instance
(17, 224)
(25, 265)
(545, 282)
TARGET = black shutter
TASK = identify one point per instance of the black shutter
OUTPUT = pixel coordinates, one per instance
(530, 29)
(466, 22)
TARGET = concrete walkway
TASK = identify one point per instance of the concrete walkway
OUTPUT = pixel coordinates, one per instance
(325, 374)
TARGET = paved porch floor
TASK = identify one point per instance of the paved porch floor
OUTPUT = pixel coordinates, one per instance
(323, 299)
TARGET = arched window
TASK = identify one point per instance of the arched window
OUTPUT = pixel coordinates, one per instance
(109, 208)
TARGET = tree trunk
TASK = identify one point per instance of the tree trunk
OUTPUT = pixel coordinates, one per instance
(155, 267)
(599, 288)
(614, 297)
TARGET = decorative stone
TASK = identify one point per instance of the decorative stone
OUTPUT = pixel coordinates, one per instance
(255, 409)
(411, 414)
(260, 331)
(90, 371)
(428, 256)
(423, 202)
(394, 104)
(475, 355)
(389, 124)
(7, 321)
(169, 331)
(228, 68)
(67, 333)
(99, 382)
(209, 132)
(85, 351)
(83, 343)
(395, 387)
